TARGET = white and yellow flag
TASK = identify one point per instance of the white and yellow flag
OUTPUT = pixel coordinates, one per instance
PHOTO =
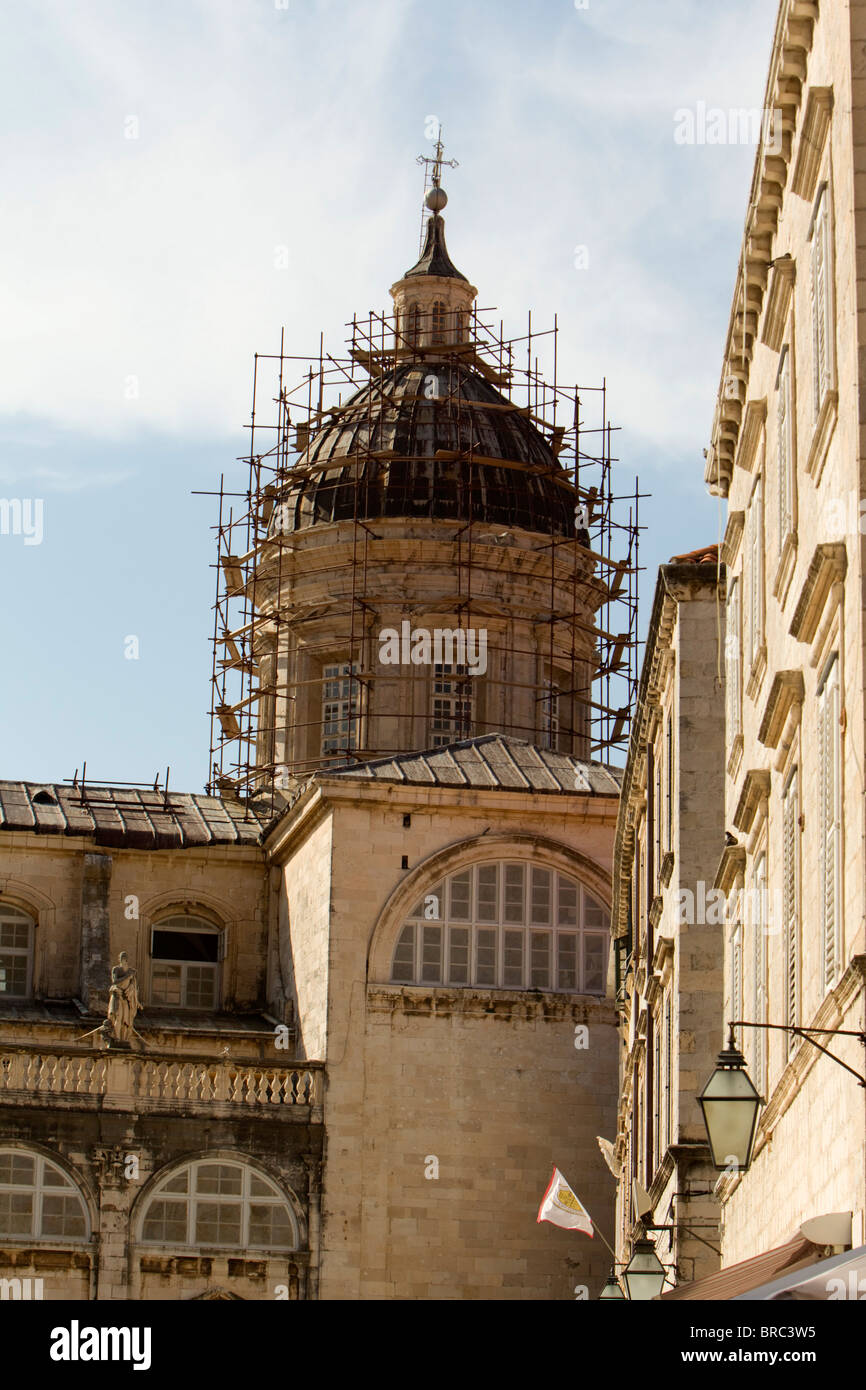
(561, 1207)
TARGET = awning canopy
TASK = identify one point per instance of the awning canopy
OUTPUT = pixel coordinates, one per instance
(737, 1280)
(840, 1277)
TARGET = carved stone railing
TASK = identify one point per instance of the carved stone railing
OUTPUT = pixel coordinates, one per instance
(155, 1082)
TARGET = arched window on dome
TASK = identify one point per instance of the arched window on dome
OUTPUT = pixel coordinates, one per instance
(16, 952)
(439, 317)
(38, 1201)
(413, 326)
(508, 925)
(219, 1203)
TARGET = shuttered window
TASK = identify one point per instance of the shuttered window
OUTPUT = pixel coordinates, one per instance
(791, 902)
(732, 663)
(784, 449)
(759, 976)
(822, 324)
(755, 562)
(737, 972)
(830, 775)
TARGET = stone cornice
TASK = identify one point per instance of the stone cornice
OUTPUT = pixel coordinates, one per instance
(787, 690)
(829, 563)
(813, 135)
(756, 786)
(754, 419)
(731, 865)
(778, 301)
(733, 536)
(788, 64)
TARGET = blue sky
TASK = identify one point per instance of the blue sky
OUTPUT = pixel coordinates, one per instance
(154, 258)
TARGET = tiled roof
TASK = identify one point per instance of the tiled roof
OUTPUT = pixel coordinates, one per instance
(705, 555)
(125, 817)
(493, 761)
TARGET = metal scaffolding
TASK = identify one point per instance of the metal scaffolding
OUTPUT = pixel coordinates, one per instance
(293, 398)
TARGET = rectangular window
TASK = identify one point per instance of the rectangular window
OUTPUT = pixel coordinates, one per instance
(512, 962)
(759, 982)
(431, 955)
(567, 960)
(540, 901)
(452, 705)
(551, 716)
(461, 897)
(733, 688)
(791, 902)
(594, 961)
(488, 893)
(485, 956)
(785, 448)
(822, 302)
(341, 702)
(737, 970)
(669, 789)
(403, 970)
(514, 893)
(668, 1073)
(184, 968)
(830, 774)
(458, 956)
(755, 557)
(539, 959)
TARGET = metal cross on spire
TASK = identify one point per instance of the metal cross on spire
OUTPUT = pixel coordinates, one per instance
(433, 166)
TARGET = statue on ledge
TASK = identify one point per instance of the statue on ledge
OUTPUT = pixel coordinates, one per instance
(123, 1001)
(123, 1004)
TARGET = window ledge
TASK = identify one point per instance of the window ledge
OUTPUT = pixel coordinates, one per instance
(786, 566)
(823, 433)
(759, 670)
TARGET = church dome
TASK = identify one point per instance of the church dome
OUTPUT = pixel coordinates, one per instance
(409, 425)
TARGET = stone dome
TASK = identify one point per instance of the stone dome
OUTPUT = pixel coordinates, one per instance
(408, 415)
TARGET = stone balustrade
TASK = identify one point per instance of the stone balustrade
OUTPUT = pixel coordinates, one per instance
(157, 1082)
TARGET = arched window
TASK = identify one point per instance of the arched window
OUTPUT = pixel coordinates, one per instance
(16, 953)
(439, 322)
(185, 954)
(219, 1203)
(38, 1201)
(506, 926)
(413, 326)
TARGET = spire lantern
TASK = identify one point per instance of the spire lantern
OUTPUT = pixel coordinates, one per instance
(433, 299)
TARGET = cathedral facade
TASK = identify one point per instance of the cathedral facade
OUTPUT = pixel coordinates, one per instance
(362, 1005)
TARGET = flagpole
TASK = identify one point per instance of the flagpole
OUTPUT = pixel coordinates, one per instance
(610, 1247)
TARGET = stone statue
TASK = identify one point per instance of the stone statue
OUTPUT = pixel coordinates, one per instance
(123, 1001)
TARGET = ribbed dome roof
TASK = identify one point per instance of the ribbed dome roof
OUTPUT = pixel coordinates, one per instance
(394, 415)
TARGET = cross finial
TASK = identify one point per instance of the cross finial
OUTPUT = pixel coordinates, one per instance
(433, 165)
(435, 196)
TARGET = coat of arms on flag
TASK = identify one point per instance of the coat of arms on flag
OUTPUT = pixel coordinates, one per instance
(562, 1207)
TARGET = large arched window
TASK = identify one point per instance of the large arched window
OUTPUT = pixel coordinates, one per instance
(185, 954)
(38, 1201)
(506, 926)
(16, 952)
(219, 1203)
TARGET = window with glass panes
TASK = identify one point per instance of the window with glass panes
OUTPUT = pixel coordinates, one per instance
(219, 1204)
(184, 969)
(550, 708)
(341, 698)
(506, 925)
(452, 704)
(16, 952)
(38, 1200)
